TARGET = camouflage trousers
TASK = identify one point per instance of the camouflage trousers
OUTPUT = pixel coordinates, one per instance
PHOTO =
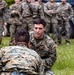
(64, 28)
(13, 29)
(48, 28)
(28, 23)
(52, 26)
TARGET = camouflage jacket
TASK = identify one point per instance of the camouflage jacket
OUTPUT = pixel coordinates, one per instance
(37, 9)
(26, 10)
(3, 5)
(16, 7)
(45, 48)
(26, 60)
(6, 15)
(48, 7)
(65, 11)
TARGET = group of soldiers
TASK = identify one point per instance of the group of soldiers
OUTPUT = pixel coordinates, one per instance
(22, 13)
(37, 18)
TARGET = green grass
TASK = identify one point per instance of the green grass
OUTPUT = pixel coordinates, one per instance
(5, 41)
(65, 57)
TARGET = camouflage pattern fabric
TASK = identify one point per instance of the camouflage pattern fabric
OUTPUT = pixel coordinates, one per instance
(15, 22)
(37, 10)
(3, 5)
(27, 16)
(51, 19)
(45, 48)
(16, 7)
(66, 12)
(21, 58)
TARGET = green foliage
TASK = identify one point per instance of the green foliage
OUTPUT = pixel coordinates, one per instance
(9, 2)
(65, 57)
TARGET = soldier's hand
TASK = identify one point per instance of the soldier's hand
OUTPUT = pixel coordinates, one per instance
(5, 24)
(50, 11)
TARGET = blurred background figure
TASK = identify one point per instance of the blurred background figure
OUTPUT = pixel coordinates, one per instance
(66, 12)
(3, 6)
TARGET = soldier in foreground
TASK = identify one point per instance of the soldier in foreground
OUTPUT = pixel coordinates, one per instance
(19, 60)
(43, 45)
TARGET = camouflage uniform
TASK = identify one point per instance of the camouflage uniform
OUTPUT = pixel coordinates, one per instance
(51, 18)
(16, 60)
(27, 16)
(15, 22)
(66, 12)
(16, 7)
(46, 49)
(6, 15)
(37, 10)
(3, 5)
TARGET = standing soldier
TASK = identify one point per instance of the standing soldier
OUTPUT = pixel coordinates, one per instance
(66, 12)
(15, 19)
(16, 6)
(51, 18)
(3, 6)
(27, 15)
(15, 24)
(37, 9)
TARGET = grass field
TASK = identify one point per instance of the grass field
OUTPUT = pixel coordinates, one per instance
(65, 58)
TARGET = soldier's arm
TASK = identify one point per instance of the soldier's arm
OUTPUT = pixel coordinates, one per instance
(71, 12)
(31, 46)
(5, 4)
(46, 10)
(41, 11)
(3, 9)
(52, 55)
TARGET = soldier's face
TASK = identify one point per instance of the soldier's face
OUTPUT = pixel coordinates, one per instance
(51, 1)
(32, 1)
(17, 1)
(39, 30)
(63, 1)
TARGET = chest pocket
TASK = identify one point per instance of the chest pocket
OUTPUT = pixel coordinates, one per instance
(42, 50)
